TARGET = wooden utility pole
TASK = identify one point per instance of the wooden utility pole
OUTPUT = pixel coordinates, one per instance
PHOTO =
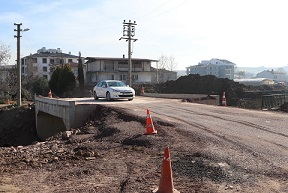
(128, 34)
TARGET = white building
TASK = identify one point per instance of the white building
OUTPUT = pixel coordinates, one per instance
(41, 63)
(217, 67)
(277, 76)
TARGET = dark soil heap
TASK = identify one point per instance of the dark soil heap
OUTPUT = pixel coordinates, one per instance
(17, 125)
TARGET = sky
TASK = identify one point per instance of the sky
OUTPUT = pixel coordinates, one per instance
(249, 33)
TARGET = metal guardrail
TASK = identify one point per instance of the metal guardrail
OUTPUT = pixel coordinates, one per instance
(274, 101)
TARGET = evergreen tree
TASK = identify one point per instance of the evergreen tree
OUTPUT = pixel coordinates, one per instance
(40, 86)
(80, 73)
(62, 80)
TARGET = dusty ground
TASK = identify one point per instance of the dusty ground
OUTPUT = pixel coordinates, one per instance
(111, 154)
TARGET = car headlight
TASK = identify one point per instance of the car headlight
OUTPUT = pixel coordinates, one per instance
(115, 90)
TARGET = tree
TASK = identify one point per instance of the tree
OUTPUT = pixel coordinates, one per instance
(4, 54)
(165, 65)
(40, 86)
(80, 73)
(62, 80)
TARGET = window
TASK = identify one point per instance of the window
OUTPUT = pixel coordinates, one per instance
(93, 78)
(137, 65)
(122, 64)
(112, 77)
(122, 77)
(44, 69)
(70, 60)
(45, 76)
(51, 61)
(44, 60)
(135, 77)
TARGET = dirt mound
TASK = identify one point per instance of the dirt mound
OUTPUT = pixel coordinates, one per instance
(17, 125)
(284, 107)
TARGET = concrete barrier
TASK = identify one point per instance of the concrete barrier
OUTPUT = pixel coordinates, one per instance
(56, 115)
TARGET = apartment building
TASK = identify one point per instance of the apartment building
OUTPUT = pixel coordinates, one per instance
(218, 67)
(43, 62)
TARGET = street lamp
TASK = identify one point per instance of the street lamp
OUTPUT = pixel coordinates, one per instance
(18, 62)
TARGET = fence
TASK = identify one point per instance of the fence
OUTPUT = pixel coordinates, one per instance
(274, 101)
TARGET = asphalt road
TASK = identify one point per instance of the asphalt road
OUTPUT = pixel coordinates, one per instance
(253, 139)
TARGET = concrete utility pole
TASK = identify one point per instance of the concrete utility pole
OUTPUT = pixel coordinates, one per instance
(18, 36)
(128, 33)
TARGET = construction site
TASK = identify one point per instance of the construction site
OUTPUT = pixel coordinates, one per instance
(118, 151)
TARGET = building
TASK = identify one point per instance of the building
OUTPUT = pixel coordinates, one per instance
(162, 75)
(277, 76)
(101, 68)
(255, 81)
(43, 62)
(217, 67)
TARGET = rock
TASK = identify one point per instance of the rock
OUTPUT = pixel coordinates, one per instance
(67, 134)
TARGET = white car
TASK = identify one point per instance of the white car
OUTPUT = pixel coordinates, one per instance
(113, 89)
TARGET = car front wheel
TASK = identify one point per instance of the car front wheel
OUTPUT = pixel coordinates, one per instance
(108, 96)
(95, 95)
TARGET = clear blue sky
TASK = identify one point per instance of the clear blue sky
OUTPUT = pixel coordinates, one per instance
(249, 33)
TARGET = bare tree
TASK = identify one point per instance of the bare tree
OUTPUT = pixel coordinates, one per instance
(4, 54)
(166, 65)
(171, 63)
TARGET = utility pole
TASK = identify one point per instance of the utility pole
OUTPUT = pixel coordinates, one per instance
(128, 34)
(18, 36)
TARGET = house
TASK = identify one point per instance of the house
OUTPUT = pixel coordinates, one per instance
(162, 75)
(277, 76)
(101, 68)
(43, 62)
(218, 67)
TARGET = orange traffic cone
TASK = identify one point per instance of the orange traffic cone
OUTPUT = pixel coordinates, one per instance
(142, 90)
(149, 125)
(50, 94)
(166, 180)
(224, 100)
(8, 101)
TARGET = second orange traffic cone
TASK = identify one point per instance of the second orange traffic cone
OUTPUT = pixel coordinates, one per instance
(149, 125)
(224, 100)
(50, 94)
(166, 180)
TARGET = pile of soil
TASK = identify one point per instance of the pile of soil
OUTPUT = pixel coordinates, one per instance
(18, 125)
(237, 95)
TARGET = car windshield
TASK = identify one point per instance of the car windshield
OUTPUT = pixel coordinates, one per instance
(116, 84)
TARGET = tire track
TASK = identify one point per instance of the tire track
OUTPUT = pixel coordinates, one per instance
(246, 123)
